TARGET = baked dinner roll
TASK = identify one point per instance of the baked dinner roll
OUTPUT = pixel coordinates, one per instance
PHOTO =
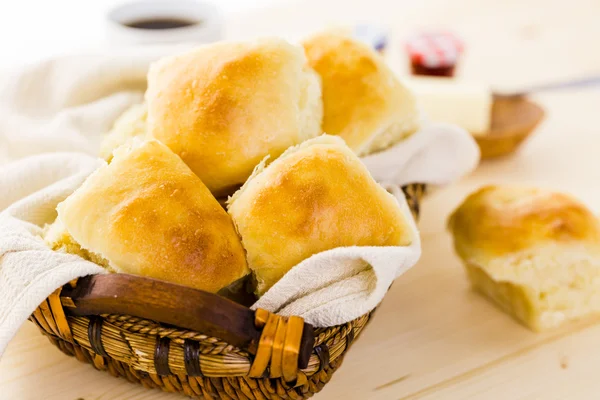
(223, 107)
(363, 101)
(316, 196)
(132, 123)
(147, 214)
(534, 253)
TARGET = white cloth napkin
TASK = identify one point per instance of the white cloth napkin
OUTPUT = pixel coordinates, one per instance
(28, 268)
(52, 118)
(438, 154)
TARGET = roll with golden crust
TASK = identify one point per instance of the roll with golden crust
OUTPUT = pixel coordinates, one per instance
(147, 214)
(223, 107)
(363, 101)
(534, 252)
(316, 196)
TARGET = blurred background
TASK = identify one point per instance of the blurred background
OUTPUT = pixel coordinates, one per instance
(508, 42)
(34, 29)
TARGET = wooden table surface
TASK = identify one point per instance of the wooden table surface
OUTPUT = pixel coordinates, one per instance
(432, 337)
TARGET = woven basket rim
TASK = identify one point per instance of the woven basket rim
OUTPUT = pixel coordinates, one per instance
(128, 346)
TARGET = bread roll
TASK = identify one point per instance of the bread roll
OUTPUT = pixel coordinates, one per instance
(223, 107)
(315, 197)
(132, 123)
(533, 252)
(147, 214)
(363, 101)
(58, 239)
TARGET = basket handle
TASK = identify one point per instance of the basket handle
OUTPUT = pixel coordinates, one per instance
(183, 307)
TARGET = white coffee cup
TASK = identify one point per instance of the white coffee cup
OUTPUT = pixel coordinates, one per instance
(205, 23)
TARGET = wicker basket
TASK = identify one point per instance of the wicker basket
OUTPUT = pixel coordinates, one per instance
(259, 355)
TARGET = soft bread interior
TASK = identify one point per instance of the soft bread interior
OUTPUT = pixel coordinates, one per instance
(391, 135)
(58, 239)
(132, 123)
(543, 287)
(310, 105)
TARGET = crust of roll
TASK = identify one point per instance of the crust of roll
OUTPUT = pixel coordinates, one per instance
(363, 101)
(315, 197)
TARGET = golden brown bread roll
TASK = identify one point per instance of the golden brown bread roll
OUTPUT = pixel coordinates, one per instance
(132, 123)
(533, 252)
(225, 106)
(315, 197)
(148, 214)
(363, 101)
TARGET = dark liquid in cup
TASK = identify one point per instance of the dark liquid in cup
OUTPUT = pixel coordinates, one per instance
(161, 23)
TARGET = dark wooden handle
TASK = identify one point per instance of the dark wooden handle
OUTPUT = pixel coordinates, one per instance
(172, 304)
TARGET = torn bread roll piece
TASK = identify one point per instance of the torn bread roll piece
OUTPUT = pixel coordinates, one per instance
(363, 101)
(147, 213)
(224, 107)
(534, 253)
(131, 124)
(316, 196)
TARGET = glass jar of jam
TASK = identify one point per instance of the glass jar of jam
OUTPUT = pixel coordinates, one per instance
(434, 53)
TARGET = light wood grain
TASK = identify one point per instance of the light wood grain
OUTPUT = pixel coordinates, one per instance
(432, 338)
